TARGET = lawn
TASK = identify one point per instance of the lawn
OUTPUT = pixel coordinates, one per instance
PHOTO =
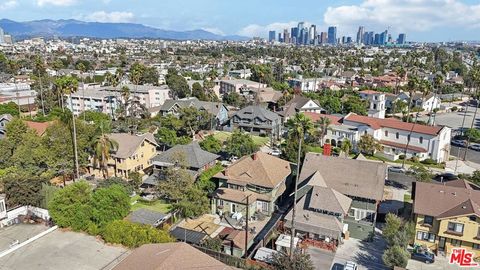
(158, 205)
(223, 136)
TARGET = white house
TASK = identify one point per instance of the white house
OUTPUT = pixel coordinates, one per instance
(305, 85)
(235, 85)
(428, 103)
(425, 141)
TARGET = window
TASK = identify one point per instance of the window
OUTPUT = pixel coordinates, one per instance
(397, 135)
(456, 243)
(455, 227)
(408, 137)
(386, 133)
(220, 202)
(420, 139)
(428, 220)
(476, 246)
(425, 236)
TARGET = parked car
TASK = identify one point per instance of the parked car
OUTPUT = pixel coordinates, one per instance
(397, 169)
(459, 143)
(423, 256)
(275, 152)
(350, 266)
(475, 147)
(446, 177)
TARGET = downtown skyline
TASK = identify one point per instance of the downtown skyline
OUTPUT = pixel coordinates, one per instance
(423, 20)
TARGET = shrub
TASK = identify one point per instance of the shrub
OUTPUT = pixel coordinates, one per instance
(402, 157)
(429, 161)
(133, 235)
(109, 204)
(454, 108)
(414, 159)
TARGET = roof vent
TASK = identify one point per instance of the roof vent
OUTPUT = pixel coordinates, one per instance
(464, 207)
(441, 191)
(454, 193)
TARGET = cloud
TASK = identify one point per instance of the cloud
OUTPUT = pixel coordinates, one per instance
(64, 3)
(113, 17)
(214, 30)
(405, 15)
(8, 4)
(255, 30)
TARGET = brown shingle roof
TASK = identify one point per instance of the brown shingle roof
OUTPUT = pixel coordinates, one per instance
(259, 169)
(350, 177)
(40, 128)
(443, 201)
(334, 120)
(169, 256)
(128, 143)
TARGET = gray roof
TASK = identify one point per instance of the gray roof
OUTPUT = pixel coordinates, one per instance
(356, 178)
(211, 107)
(146, 216)
(6, 116)
(128, 143)
(187, 235)
(328, 199)
(252, 112)
(195, 157)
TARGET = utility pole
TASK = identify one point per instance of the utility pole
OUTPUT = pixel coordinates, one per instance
(77, 174)
(246, 226)
(292, 236)
(471, 126)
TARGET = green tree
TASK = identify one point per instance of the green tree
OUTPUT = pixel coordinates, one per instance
(395, 256)
(234, 99)
(211, 144)
(421, 173)
(22, 188)
(70, 206)
(368, 145)
(240, 144)
(356, 105)
(298, 261)
(178, 85)
(473, 134)
(98, 118)
(175, 184)
(392, 227)
(322, 125)
(193, 204)
(103, 147)
(205, 181)
(346, 147)
(109, 204)
(299, 127)
(198, 91)
(193, 120)
(166, 136)
(9, 108)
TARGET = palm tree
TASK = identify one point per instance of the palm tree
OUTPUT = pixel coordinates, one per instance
(322, 124)
(103, 147)
(299, 126)
(413, 83)
(346, 147)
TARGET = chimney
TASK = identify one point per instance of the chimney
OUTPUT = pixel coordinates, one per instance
(255, 156)
(225, 172)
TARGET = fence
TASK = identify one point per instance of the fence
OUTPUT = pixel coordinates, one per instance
(13, 214)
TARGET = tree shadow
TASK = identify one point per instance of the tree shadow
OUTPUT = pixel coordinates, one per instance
(371, 253)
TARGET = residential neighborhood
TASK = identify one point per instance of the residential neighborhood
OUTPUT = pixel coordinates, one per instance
(126, 146)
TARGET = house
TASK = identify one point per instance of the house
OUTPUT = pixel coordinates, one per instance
(39, 127)
(218, 109)
(299, 104)
(447, 215)
(376, 103)
(320, 211)
(169, 256)
(233, 241)
(4, 120)
(260, 179)
(337, 131)
(420, 141)
(265, 96)
(133, 153)
(334, 177)
(305, 85)
(256, 120)
(18, 93)
(192, 157)
(427, 103)
(240, 73)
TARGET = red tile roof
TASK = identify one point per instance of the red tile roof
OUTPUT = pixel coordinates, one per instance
(402, 146)
(370, 92)
(377, 123)
(40, 128)
(335, 120)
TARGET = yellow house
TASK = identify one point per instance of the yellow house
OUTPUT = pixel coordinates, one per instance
(133, 154)
(447, 216)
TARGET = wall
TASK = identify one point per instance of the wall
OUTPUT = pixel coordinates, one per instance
(140, 158)
(23, 210)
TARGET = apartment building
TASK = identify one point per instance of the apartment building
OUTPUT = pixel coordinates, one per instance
(257, 120)
(93, 100)
(19, 93)
(447, 216)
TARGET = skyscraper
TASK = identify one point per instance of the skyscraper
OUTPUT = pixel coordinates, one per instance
(323, 38)
(360, 34)
(280, 39)
(312, 33)
(271, 36)
(402, 39)
(286, 36)
(332, 35)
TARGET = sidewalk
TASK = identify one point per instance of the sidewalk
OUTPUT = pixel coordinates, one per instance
(462, 167)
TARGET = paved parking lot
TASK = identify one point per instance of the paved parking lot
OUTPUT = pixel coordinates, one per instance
(455, 119)
(322, 259)
(62, 250)
(20, 232)
(367, 255)
(441, 263)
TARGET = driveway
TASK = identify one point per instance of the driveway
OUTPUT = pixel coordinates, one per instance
(322, 259)
(367, 255)
(440, 263)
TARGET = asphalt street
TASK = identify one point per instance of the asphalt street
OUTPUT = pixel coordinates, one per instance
(454, 120)
(472, 156)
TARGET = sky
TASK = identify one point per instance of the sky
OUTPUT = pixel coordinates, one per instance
(421, 20)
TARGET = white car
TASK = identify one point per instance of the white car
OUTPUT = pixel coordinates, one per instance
(397, 169)
(475, 147)
(275, 152)
(350, 266)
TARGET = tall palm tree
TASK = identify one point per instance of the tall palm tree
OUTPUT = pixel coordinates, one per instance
(412, 85)
(322, 124)
(103, 148)
(299, 126)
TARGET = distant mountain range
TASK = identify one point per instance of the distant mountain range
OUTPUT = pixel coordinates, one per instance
(75, 28)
